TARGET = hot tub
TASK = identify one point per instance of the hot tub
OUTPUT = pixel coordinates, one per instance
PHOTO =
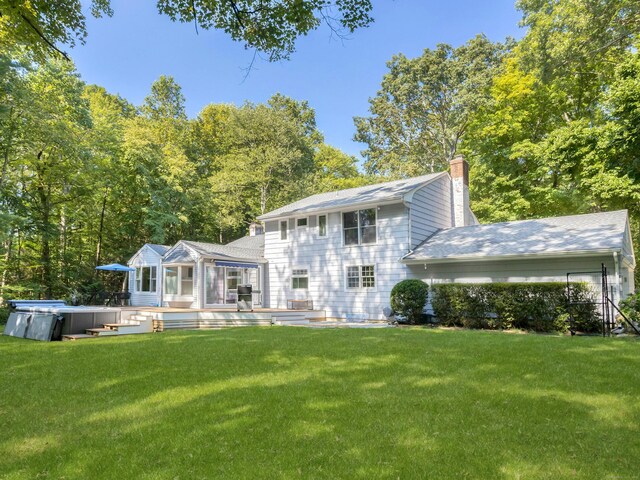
(77, 319)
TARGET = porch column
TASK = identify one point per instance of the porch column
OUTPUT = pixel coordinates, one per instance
(201, 283)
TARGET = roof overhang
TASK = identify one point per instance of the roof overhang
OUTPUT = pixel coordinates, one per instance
(212, 258)
(345, 208)
(409, 196)
(519, 256)
(146, 245)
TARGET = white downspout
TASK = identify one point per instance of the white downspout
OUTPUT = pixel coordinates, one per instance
(616, 267)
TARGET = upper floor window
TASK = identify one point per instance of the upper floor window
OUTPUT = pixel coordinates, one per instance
(322, 225)
(301, 222)
(283, 230)
(146, 279)
(359, 227)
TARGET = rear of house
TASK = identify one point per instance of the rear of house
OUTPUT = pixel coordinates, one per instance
(344, 251)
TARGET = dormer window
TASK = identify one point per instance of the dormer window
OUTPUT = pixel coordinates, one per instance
(359, 227)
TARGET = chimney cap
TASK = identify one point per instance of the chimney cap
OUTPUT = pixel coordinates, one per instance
(460, 169)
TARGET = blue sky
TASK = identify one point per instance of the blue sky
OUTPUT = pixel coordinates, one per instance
(127, 52)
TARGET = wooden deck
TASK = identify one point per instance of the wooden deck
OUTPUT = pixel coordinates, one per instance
(165, 318)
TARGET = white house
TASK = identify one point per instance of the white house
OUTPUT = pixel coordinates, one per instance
(201, 275)
(345, 250)
(144, 284)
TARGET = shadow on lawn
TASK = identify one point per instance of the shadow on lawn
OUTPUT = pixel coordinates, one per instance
(304, 403)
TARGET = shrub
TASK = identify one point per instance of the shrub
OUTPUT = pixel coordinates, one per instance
(541, 307)
(630, 306)
(408, 298)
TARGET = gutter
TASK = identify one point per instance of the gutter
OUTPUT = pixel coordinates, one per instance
(406, 199)
(492, 258)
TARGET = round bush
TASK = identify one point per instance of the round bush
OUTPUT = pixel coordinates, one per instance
(408, 299)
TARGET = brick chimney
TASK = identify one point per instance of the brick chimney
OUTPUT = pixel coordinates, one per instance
(460, 184)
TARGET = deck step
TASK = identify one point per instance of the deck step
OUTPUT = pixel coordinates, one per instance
(115, 326)
(76, 336)
(291, 320)
(101, 332)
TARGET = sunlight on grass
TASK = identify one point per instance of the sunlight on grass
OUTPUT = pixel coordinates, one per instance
(282, 403)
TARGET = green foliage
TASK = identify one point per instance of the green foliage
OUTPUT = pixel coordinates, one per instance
(87, 178)
(559, 132)
(41, 24)
(408, 298)
(422, 111)
(630, 306)
(540, 307)
(270, 27)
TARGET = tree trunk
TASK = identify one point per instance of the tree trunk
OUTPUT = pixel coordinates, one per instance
(7, 259)
(101, 228)
(7, 148)
(44, 196)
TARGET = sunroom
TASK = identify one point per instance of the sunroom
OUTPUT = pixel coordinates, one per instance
(207, 275)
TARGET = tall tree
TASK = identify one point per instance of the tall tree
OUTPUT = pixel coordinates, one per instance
(268, 26)
(424, 107)
(267, 160)
(554, 137)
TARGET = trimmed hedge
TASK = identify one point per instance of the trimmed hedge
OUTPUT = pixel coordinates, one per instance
(408, 298)
(541, 307)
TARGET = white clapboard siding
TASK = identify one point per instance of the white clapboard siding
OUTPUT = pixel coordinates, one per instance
(431, 210)
(326, 260)
(627, 246)
(146, 257)
(518, 270)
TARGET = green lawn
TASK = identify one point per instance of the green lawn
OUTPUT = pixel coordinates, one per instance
(286, 402)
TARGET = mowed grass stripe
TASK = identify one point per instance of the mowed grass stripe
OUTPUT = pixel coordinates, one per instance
(300, 403)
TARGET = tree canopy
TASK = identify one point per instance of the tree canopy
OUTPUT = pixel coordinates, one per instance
(87, 178)
(421, 113)
(268, 26)
(549, 124)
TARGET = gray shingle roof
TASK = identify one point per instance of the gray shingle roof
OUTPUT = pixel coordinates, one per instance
(255, 242)
(159, 249)
(225, 251)
(380, 192)
(179, 253)
(577, 233)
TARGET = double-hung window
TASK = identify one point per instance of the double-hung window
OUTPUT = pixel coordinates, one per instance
(322, 225)
(300, 278)
(359, 227)
(146, 279)
(361, 276)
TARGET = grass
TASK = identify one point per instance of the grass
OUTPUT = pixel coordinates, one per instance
(299, 403)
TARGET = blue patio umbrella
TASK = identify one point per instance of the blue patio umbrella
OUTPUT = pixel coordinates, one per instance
(116, 267)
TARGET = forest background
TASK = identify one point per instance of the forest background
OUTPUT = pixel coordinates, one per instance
(549, 124)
